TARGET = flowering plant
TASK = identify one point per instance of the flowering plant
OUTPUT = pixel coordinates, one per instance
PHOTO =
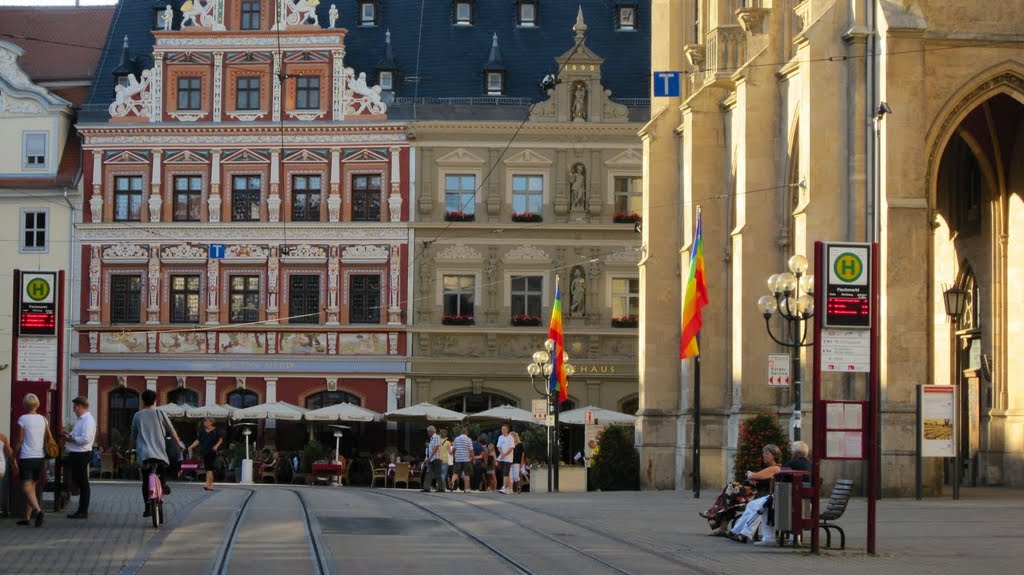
(527, 217)
(525, 319)
(457, 319)
(626, 217)
(459, 217)
(755, 433)
(626, 321)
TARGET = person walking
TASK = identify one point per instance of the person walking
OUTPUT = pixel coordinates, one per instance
(506, 449)
(150, 429)
(208, 441)
(32, 433)
(463, 461)
(79, 445)
(446, 457)
(518, 463)
(433, 463)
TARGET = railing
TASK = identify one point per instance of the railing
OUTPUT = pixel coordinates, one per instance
(726, 51)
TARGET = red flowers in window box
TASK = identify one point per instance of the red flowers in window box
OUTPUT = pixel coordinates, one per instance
(528, 320)
(459, 217)
(527, 217)
(626, 217)
(626, 321)
(455, 319)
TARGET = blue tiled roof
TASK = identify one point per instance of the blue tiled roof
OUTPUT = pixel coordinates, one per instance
(451, 57)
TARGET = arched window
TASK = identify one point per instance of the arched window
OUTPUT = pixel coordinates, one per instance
(476, 402)
(124, 403)
(242, 398)
(631, 405)
(183, 396)
(327, 398)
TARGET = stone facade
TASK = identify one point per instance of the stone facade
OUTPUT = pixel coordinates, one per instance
(780, 138)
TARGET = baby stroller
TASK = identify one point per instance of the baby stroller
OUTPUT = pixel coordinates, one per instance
(728, 505)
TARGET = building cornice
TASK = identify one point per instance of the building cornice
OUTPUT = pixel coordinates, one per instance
(419, 129)
(296, 233)
(234, 135)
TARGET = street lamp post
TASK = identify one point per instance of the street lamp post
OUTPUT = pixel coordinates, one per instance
(791, 298)
(543, 364)
(955, 300)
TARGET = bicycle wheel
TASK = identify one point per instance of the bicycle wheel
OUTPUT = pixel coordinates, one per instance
(160, 504)
(156, 513)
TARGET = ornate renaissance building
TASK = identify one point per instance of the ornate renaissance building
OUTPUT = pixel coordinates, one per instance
(897, 122)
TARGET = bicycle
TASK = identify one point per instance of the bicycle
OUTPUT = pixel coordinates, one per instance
(155, 499)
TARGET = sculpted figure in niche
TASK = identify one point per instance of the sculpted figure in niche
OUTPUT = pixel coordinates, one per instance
(578, 292)
(578, 187)
(579, 102)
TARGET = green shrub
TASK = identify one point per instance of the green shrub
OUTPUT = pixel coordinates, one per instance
(617, 464)
(312, 452)
(535, 442)
(755, 433)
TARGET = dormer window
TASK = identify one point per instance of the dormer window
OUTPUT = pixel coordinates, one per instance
(495, 83)
(527, 13)
(386, 80)
(464, 13)
(367, 13)
(627, 16)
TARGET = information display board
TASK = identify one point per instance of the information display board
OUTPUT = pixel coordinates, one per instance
(848, 286)
(37, 312)
(844, 429)
(938, 420)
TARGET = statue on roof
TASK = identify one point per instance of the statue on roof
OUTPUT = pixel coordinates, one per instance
(300, 11)
(167, 17)
(333, 16)
(197, 13)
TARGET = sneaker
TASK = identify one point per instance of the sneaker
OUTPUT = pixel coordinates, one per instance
(767, 543)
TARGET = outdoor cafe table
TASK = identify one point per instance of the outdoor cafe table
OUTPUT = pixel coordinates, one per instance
(326, 470)
(189, 467)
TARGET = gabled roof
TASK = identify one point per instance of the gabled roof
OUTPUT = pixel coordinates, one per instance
(60, 43)
(15, 84)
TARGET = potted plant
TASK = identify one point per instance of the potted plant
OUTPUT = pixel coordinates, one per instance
(525, 319)
(755, 433)
(527, 217)
(457, 319)
(617, 464)
(459, 217)
(626, 321)
(626, 217)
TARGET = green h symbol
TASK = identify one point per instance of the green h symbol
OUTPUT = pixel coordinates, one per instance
(848, 266)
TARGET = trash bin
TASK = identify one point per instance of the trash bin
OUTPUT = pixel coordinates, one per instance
(789, 502)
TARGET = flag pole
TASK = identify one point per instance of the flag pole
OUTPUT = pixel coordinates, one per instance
(556, 399)
(696, 413)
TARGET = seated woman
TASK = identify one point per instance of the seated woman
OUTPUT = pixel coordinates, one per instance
(743, 529)
(735, 495)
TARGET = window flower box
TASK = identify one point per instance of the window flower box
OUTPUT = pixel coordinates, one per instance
(626, 217)
(626, 321)
(457, 320)
(527, 217)
(459, 217)
(526, 320)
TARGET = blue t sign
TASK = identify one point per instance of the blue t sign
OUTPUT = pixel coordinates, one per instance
(666, 84)
(216, 251)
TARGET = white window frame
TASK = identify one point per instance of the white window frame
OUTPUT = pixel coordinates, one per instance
(25, 136)
(612, 175)
(367, 8)
(545, 291)
(543, 189)
(532, 22)
(463, 169)
(457, 271)
(22, 229)
(468, 20)
(610, 277)
(632, 21)
(500, 83)
(457, 172)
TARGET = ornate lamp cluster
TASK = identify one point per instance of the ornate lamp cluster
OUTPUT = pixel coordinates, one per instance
(543, 364)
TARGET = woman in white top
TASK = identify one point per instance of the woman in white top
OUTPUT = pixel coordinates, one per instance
(29, 446)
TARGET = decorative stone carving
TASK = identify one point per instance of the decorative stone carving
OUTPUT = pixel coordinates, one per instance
(301, 11)
(94, 285)
(183, 253)
(94, 342)
(304, 253)
(526, 255)
(218, 85)
(364, 254)
(153, 311)
(273, 274)
(578, 187)
(332, 288)
(460, 253)
(135, 99)
(212, 279)
(274, 208)
(392, 344)
(19, 106)
(629, 256)
(245, 116)
(395, 207)
(198, 13)
(577, 292)
(247, 252)
(96, 206)
(579, 102)
(167, 17)
(332, 16)
(360, 97)
(394, 285)
(126, 253)
(750, 19)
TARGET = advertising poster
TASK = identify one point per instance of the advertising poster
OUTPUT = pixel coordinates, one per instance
(938, 421)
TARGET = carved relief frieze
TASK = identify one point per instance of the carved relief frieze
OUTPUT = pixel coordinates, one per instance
(183, 254)
(125, 253)
(303, 253)
(459, 253)
(526, 255)
(364, 254)
(246, 253)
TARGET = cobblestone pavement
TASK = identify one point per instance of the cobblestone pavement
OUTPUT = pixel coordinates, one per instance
(360, 530)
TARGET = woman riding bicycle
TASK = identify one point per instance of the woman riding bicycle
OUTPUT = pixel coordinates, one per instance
(150, 428)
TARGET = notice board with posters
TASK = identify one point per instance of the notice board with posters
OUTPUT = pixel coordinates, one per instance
(938, 420)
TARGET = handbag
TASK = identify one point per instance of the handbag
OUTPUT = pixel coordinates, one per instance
(50, 447)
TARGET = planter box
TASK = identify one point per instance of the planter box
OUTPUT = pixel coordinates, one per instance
(459, 217)
(457, 320)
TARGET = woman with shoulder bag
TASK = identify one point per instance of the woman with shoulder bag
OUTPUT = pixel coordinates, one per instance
(33, 435)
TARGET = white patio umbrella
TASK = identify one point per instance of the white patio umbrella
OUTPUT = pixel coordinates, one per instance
(423, 413)
(273, 410)
(214, 411)
(578, 416)
(172, 409)
(503, 414)
(342, 412)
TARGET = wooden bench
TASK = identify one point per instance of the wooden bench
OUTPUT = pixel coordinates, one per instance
(834, 509)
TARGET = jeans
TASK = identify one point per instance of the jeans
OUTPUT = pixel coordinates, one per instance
(80, 475)
(434, 474)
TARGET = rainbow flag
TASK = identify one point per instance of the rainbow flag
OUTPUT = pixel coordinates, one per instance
(557, 381)
(695, 296)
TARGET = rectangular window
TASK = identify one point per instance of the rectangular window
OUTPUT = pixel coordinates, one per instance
(625, 298)
(527, 14)
(35, 151)
(463, 13)
(386, 80)
(303, 299)
(250, 15)
(366, 198)
(306, 198)
(185, 299)
(190, 91)
(188, 198)
(128, 198)
(628, 194)
(244, 297)
(459, 193)
(627, 17)
(245, 198)
(367, 13)
(125, 298)
(459, 293)
(494, 84)
(307, 93)
(247, 95)
(527, 194)
(527, 294)
(33, 230)
(364, 291)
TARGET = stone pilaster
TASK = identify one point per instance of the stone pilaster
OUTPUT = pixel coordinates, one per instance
(210, 397)
(214, 199)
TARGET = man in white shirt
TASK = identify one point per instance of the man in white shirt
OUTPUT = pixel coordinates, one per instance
(506, 448)
(79, 445)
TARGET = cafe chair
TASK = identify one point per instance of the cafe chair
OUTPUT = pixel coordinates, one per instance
(107, 465)
(379, 473)
(401, 475)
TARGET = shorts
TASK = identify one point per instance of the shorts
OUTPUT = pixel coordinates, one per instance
(506, 467)
(30, 469)
(463, 468)
(515, 472)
